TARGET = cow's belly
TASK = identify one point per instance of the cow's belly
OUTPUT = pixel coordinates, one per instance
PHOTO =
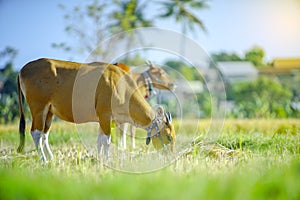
(62, 114)
(77, 109)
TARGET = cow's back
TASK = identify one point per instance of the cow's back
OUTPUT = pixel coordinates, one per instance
(46, 75)
(46, 81)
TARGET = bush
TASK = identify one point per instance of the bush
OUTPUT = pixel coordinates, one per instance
(264, 98)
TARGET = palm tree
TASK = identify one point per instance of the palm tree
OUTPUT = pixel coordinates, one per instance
(181, 11)
(129, 15)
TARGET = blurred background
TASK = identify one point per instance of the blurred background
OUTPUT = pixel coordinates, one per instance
(253, 44)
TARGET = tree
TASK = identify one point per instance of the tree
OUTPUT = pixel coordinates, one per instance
(224, 56)
(181, 10)
(188, 72)
(262, 98)
(7, 55)
(205, 104)
(255, 55)
(89, 25)
(92, 23)
(129, 15)
(8, 88)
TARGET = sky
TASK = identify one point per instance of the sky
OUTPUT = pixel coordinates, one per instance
(31, 27)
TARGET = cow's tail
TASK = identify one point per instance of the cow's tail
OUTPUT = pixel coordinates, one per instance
(22, 120)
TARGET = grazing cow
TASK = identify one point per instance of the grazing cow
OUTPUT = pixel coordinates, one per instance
(80, 93)
(154, 77)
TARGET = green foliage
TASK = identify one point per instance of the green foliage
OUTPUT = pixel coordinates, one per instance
(265, 97)
(262, 98)
(9, 109)
(181, 11)
(129, 15)
(92, 22)
(188, 72)
(255, 55)
(224, 56)
(204, 101)
(10, 78)
(133, 60)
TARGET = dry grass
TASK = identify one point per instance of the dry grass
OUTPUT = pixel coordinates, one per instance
(249, 159)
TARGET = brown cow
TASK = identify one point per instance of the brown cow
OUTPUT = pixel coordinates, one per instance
(80, 93)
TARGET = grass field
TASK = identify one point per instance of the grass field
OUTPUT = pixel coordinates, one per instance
(249, 159)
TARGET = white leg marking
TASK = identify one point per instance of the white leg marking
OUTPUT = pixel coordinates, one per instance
(42, 150)
(103, 141)
(46, 145)
(36, 135)
(99, 143)
(106, 141)
(38, 141)
(122, 138)
(132, 134)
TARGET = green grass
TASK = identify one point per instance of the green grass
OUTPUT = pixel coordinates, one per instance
(250, 159)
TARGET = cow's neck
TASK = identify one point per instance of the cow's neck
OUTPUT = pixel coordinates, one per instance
(140, 80)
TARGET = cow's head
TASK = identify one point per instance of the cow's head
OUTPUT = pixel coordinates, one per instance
(161, 131)
(128, 105)
(160, 79)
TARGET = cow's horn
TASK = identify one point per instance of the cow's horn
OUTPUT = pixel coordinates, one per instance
(149, 63)
(168, 118)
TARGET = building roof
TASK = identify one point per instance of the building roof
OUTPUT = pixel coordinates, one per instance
(287, 63)
(282, 66)
(237, 71)
(189, 87)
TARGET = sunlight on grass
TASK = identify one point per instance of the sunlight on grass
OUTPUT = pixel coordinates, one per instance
(250, 159)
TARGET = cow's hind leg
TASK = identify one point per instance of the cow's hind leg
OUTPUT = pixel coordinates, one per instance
(104, 138)
(39, 115)
(46, 134)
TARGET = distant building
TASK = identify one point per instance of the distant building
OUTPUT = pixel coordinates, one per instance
(287, 70)
(233, 72)
(189, 87)
(282, 66)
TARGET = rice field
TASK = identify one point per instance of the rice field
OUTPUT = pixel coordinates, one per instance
(245, 159)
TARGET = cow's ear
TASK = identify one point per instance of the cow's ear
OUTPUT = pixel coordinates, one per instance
(168, 118)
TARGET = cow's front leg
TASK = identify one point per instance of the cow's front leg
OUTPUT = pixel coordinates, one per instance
(132, 134)
(46, 146)
(122, 139)
(103, 142)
